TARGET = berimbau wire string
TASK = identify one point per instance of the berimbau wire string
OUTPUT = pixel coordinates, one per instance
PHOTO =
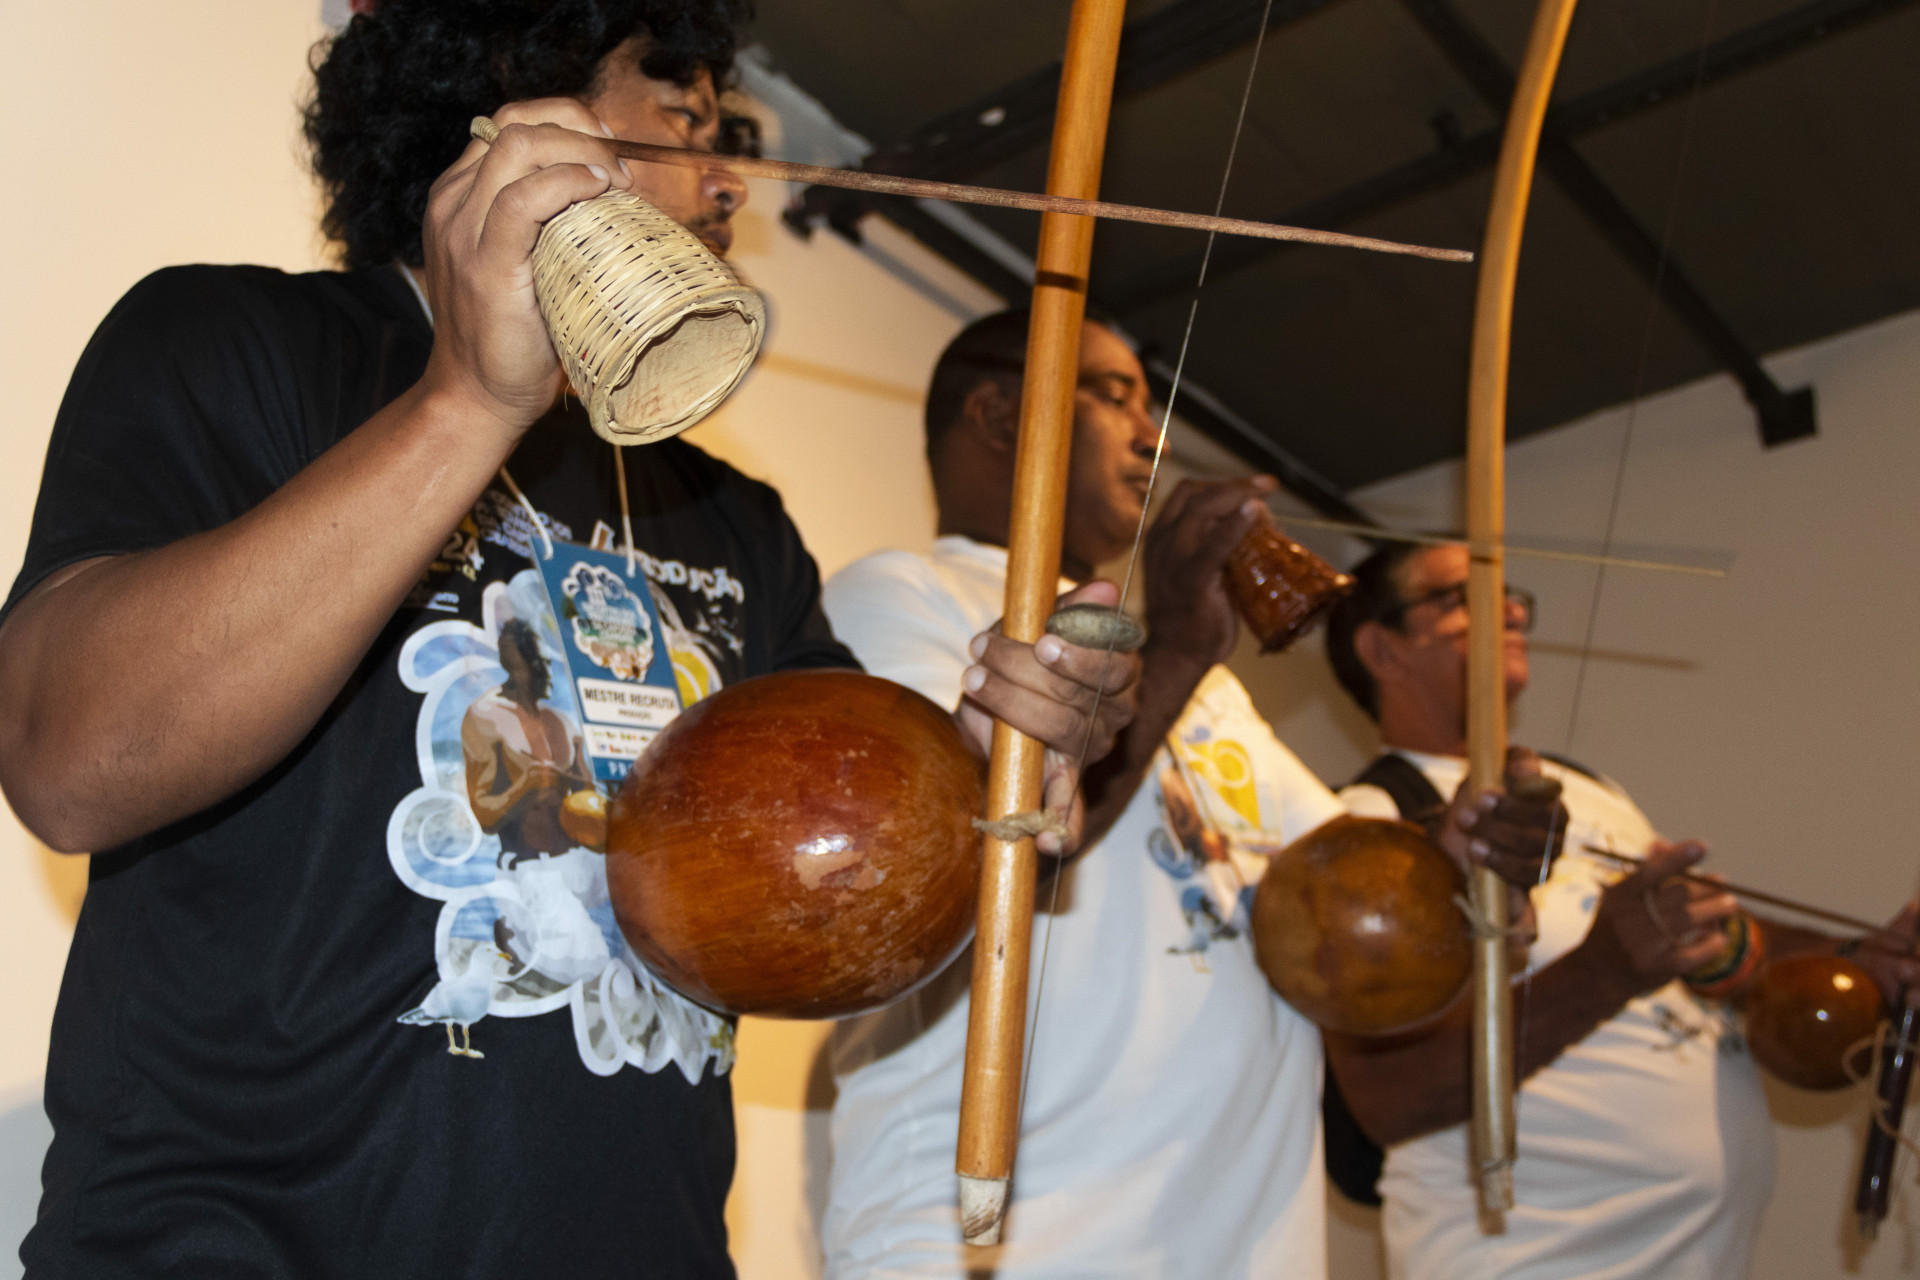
(1139, 535)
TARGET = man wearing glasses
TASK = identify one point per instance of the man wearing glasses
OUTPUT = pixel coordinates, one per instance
(1644, 1143)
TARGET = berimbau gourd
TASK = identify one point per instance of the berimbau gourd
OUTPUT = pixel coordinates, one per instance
(1811, 1019)
(1357, 924)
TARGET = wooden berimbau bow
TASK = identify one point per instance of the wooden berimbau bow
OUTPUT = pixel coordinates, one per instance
(996, 1025)
(1493, 1126)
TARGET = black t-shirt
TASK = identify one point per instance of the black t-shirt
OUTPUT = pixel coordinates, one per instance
(333, 1026)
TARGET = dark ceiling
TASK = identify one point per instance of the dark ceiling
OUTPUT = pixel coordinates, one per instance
(1767, 152)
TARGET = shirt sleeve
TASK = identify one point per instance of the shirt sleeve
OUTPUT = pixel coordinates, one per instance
(1306, 802)
(900, 622)
(1364, 800)
(1295, 796)
(182, 414)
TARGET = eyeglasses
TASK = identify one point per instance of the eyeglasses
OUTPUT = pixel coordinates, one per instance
(1455, 597)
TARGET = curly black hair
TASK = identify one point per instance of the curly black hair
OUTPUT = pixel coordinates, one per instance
(394, 91)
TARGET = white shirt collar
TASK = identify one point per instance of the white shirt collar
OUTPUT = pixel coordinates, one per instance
(961, 546)
(418, 292)
(1425, 760)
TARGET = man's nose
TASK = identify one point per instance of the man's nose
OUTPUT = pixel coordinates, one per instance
(725, 191)
(1146, 433)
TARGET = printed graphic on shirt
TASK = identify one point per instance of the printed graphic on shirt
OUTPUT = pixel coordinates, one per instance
(1670, 1020)
(507, 829)
(1211, 842)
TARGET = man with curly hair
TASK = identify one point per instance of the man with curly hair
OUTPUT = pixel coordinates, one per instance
(322, 501)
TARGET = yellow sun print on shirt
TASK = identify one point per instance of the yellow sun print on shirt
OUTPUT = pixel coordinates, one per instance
(694, 673)
(1227, 769)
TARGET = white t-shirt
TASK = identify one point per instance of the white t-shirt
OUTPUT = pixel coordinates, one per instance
(1644, 1150)
(1172, 1120)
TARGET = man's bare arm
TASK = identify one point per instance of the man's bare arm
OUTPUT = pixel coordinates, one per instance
(1191, 625)
(1648, 930)
(250, 630)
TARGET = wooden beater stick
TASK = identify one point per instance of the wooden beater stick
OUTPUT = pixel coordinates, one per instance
(1877, 933)
(894, 185)
(1383, 534)
(996, 1023)
(1493, 1133)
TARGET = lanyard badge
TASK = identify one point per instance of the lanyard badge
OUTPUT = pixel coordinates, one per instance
(616, 654)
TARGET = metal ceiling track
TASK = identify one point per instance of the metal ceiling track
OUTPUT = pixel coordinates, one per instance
(1187, 34)
(1018, 116)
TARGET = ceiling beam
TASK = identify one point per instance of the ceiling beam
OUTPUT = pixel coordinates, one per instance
(1756, 46)
(1783, 416)
(1019, 116)
(1190, 32)
(1458, 158)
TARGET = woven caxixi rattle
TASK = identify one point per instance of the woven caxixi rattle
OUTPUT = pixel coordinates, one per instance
(654, 331)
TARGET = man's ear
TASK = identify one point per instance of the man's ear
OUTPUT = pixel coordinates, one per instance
(1373, 644)
(992, 416)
